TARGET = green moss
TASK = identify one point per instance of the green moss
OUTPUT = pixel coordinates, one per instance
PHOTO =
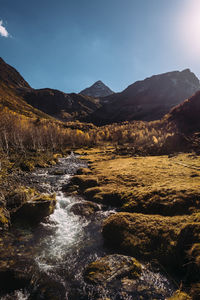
(166, 239)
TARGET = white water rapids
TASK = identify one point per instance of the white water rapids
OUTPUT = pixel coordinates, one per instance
(66, 243)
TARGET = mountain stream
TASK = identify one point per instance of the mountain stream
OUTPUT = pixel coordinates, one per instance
(64, 244)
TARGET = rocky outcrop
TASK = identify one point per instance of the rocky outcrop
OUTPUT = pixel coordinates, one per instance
(60, 105)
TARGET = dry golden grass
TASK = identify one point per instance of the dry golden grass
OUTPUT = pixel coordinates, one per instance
(160, 200)
(152, 184)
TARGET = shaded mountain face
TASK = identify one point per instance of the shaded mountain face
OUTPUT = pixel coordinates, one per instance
(97, 90)
(149, 99)
(186, 115)
(17, 95)
(65, 107)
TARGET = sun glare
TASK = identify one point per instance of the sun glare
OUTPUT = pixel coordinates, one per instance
(189, 29)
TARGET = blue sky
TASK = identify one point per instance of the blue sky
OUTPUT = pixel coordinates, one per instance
(70, 44)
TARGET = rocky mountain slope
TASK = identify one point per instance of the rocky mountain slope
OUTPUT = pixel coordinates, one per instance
(17, 95)
(97, 90)
(65, 107)
(11, 85)
(149, 99)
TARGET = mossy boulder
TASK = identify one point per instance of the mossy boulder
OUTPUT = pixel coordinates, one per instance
(146, 236)
(84, 181)
(111, 198)
(112, 267)
(84, 171)
(91, 193)
(16, 198)
(102, 195)
(32, 212)
(86, 208)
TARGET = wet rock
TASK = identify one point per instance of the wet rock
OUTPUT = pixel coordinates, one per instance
(112, 267)
(85, 208)
(35, 211)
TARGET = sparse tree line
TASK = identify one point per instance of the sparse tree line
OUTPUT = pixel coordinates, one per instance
(20, 133)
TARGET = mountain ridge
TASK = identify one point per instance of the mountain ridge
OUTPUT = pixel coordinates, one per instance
(19, 96)
(148, 99)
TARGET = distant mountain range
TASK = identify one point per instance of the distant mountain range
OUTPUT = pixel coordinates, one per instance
(97, 90)
(148, 99)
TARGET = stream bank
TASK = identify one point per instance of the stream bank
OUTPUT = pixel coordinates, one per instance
(49, 261)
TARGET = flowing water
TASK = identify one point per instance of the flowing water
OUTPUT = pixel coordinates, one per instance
(65, 243)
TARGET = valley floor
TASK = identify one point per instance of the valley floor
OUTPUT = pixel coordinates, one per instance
(158, 208)
(156, 200)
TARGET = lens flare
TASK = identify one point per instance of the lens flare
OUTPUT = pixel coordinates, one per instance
(188, 33)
